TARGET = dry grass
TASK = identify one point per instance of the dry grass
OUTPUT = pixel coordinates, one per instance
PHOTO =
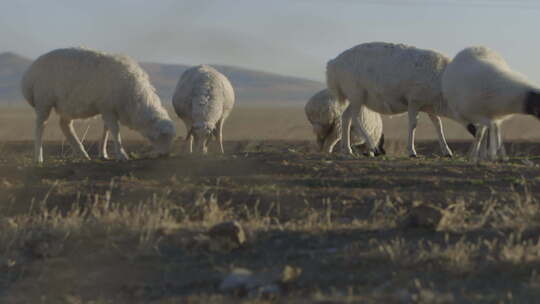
(96, 231)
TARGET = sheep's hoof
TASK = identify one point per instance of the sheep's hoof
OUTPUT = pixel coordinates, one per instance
(448, 155)
(413, 156)
(122, 158)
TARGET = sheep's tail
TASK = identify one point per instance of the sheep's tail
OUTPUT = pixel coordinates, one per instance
(27, 91)
(332, 82)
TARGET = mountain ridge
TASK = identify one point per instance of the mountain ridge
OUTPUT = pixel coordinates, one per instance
(252, 87)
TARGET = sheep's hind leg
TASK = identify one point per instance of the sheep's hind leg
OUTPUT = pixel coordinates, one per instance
(413, 121)
(103, 143)
(67, 128)
(345, 129)
(219, 134)
(41, 121)
(112, 125)
(373, 148)
(436, 120)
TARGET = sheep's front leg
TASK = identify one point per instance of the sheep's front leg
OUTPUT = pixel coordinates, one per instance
(501, 151)
(41, 121)
(189, 141)
(436, 120)
(112, 124)
(479, 137)
(103, 143)
(331, 139)
(189, 136)
(496, 146)
(67, 128)
(413, 121)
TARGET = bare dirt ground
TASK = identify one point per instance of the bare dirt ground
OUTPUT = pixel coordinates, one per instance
(136, 232)
(351, 230)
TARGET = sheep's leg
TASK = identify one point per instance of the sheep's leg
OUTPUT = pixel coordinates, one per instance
(41, 121)
(204, 145)
(500, 145)
(219, 132)
(330, 140)
(114, 128)
(475, 151)
(67, 128)
(413, 121)
(189, 140)
(373, 149)
(484, 145)
(493, 141)
(345, 129)
(436, 120)
(189, 136)
(103, 144)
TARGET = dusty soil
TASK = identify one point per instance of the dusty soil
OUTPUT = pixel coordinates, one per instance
(343, 221)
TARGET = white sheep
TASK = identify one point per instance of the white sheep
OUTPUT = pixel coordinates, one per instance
(389, 79)
(482, 89)
(324, 112)
(203, 99)
(81, 83)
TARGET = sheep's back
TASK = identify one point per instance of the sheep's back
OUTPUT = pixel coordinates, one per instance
(394, 70)
(80, 81)
(478, 81)
(203, 95)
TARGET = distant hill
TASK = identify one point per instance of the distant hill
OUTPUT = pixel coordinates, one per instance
(252, 87)
(12, 67)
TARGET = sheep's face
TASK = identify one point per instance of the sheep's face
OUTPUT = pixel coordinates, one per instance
(532, 104)
(321, 133)
(161, 136)
(201, 136)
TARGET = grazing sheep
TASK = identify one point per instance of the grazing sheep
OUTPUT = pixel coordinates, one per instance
(203, 99)
(389, 79)
(323, 112)
(81, 83)
(482, 89)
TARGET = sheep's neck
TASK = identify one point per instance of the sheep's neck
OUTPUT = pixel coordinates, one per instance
(441, 109)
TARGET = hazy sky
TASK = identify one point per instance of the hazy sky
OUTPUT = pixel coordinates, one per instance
(283, 36)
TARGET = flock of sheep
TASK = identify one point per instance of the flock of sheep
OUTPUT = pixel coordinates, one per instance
(477, 89)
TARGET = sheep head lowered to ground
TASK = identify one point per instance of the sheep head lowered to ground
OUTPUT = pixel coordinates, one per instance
(324, 112)
(482, 89)
(81, 83)
(203, 99)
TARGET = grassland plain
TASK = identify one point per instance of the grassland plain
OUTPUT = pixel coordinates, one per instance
(100, 231)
